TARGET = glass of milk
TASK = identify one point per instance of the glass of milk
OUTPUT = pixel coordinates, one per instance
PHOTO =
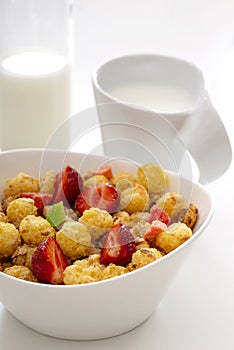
(35, 71)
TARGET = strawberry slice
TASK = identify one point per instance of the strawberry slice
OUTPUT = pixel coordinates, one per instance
(156, 228)
(118, 246)
(86, 199)
(103, 196)
(68, 185)
(49, 262)
(157, 213)
(41, 200)
(105, 170)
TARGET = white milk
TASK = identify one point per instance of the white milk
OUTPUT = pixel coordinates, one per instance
(161, 97)
(34, 98)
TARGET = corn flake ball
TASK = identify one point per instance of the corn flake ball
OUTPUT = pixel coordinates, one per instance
(19, 208)
(189, 216)
(172, 203)
(9, 239)
(113, 270)
(82, 272)
(97, 217)
(34, 229)
(74, 239)
(21, 183)
(22, 272)
(94, 259)
(121, 217)
(173, 237)
(152, 177)
(123, 180)
(95, 180)
(143, 257)
(47, 182)
(97, 221)
(134, 199)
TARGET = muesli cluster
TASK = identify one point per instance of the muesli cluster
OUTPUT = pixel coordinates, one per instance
(71, 228)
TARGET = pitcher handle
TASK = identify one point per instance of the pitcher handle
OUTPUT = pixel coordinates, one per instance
(207, 141)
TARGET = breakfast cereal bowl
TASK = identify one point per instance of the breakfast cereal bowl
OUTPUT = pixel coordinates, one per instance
(104, 308)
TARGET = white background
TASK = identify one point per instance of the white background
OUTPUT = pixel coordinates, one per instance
(198, 310)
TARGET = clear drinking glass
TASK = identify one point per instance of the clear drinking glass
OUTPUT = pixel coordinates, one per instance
(35, 70)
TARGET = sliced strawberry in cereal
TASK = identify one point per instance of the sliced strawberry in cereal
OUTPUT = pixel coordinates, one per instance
(157, 213)
(41, 200)
(68, 185)
(155, 228)
(86, 199)
(49, 262)
(103, 196)
(105, 170)
(118, 246)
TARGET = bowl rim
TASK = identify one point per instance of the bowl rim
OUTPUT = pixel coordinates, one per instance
(132, 273)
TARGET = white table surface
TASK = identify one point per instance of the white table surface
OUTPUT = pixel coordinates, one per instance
(198, 310)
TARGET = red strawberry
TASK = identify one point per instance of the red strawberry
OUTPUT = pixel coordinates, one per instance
(68, 185)
(40, 199)
(103, 196)
(86, 199)
(156, 228)
(157, 213)
(49, 262)
(118, 246)
(105, 170)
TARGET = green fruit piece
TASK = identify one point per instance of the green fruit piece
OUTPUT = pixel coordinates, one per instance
(56, 215)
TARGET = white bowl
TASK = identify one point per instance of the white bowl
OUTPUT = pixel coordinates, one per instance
(101, 309)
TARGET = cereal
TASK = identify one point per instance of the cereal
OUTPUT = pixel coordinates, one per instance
(123, 180)
(189, 216)
(47, 182)
(9, 239)
(172, 203)
(97, 221)
(121, 216)
(34, 229)
(143, 257)
(82, 272)
(4, 265)
(94, 259)
(141, 243)
(134, 199)
(95, 180)
(6, 201)
(22, 272)
(90, 235)
(19, 208)
(3, 217)
(21, 183)
(173, 237)
(152, 177)
(113, 270)
(139, 229)
(74, 239)
(97, 217)
(23, 255)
